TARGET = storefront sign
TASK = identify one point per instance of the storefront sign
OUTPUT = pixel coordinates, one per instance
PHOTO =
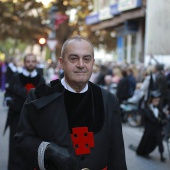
(114, 9)
(120, 48)
(124, 5)
(92, 19)
(105, 14)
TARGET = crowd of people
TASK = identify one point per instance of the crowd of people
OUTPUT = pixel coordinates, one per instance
(144, 91)
(44, 109)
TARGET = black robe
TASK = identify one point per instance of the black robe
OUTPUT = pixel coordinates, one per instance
(18, 89)
(122, 92)
(153, 133)
(45, 117)
(9, 74)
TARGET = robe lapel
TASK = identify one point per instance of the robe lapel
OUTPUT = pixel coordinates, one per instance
(40, 103)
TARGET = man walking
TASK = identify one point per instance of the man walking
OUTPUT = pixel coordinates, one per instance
(15, 97)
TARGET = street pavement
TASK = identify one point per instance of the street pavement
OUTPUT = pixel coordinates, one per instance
(131, 136)
(3, 138)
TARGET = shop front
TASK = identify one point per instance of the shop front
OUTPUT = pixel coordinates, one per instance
(126, 20)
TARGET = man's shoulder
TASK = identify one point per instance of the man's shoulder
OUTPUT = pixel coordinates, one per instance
(15, 78)
(46, 89)
(44, 94)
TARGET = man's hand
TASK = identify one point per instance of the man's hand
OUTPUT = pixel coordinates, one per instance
(9, 103)
(60, 157)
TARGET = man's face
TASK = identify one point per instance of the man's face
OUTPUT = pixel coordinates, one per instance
(156, 101)
(30, 63)
(77, 62)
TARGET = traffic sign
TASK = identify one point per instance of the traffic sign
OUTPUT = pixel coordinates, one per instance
(52, 44)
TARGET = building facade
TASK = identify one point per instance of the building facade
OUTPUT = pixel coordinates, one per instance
(126, 20)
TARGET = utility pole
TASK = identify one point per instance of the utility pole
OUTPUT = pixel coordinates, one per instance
(52, 36)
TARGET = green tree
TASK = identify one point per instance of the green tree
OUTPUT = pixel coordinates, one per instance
(22, 20)
(79, 27)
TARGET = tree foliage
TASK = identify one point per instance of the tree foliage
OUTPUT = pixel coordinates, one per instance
(79, 27)
(23, 21)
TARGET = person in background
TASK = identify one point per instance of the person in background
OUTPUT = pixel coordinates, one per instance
(40, 68)
(71, 124)
(122, 92)
(2, 75)
(155, 120)
(159, 82)
(103, 71)
(15, 96)
(10, 71)
(95, 73)
(117, 75)
(132, 81)
(50, 72)
(109, 85)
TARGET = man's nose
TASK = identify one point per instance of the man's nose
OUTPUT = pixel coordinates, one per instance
(80, 63)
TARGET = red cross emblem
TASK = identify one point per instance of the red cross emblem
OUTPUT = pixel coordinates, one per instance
(82, 140)
(29, 86)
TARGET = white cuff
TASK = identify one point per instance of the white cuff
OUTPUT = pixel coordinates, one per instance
(5, 101)
(41, 151)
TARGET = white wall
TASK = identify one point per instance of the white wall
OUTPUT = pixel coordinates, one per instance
(157, 27)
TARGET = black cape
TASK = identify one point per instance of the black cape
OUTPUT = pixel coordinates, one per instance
(45, 118)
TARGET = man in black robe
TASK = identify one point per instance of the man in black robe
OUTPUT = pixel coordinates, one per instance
(155, 120)
(15, 96)
(10, 71)
(71, 124)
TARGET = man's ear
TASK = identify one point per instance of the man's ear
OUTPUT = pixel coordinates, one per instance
(61, 62)
(93, 61)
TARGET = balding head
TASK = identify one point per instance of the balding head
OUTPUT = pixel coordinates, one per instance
(75, 38)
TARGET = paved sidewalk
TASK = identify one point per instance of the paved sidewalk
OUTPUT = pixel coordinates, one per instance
(3, 139)
(132, 136)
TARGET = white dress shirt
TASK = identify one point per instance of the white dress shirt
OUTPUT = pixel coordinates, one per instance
(31, 74)
(66, 86)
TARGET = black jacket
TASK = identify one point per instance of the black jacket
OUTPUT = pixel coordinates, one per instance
(17, 92)
(153, 133)
(44, 118)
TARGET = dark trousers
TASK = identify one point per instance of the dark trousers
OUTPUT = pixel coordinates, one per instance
(13, 163)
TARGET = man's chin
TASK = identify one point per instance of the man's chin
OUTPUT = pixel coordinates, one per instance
(30, 70)
(82, 80)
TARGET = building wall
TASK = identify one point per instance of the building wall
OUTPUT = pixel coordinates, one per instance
(158, 27)
(126, 18)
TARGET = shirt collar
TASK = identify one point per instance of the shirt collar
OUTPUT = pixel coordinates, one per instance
(154, 110)
(31, 74)
(66, 86)
(12, 67)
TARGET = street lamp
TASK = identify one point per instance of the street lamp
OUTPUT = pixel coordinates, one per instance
(53, 15)
(42, 41)
(52, 36)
